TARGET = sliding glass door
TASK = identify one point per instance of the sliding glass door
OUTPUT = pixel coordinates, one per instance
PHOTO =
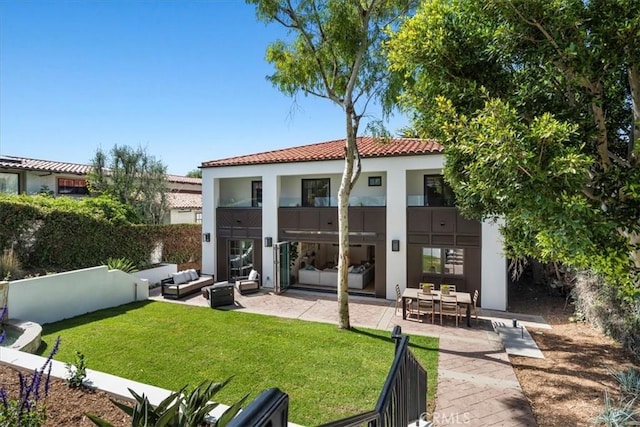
(282, 266)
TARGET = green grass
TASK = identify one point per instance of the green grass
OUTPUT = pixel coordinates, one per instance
(328, 373)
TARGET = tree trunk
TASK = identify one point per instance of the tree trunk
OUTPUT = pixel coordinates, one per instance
(343, 224)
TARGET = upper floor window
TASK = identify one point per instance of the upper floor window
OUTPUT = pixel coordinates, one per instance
(437, 192)
(316, 192)
(198, 217)
(72, 186)
(256, 193)
(9, 183)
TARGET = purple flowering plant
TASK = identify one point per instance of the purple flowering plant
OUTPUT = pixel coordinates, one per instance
(28, 409)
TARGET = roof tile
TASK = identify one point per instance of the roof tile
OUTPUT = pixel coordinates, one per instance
(368, 147)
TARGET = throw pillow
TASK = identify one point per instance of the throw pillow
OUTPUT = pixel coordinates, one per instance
(178, 278)
(253, 275)
(193, 274)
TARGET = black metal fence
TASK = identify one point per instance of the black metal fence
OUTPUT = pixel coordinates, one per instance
(403, 398)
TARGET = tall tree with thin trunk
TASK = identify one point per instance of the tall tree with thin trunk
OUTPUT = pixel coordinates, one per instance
(134, 178)
(335, 53)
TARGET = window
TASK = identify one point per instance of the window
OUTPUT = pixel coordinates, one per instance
(72, 186)
(443, 261)
(9, 183)
(198, 217)
(240, 258)
(375, 181)
(316, 192)
(256, 193)
(437, 192)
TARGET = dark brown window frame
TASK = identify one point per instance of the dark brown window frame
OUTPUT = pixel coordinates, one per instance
(305, 200)
(256, 194)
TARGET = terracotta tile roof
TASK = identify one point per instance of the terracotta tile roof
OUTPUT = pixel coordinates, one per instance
(184, 179)
(23, 163)
(368, 147)
(12, 162)
(184, 200)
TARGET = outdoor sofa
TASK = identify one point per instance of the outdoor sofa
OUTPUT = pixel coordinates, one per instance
(184, 283)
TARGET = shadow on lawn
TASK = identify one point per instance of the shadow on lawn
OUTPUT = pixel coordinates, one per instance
(83, 319)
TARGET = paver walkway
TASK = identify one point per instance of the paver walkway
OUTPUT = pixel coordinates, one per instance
(476, 382)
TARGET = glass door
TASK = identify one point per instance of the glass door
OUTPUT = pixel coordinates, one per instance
(282, 266)
(240, 258)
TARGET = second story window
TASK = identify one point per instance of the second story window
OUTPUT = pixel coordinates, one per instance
(198, 217)
(316, 192)
(72, 186)
(437, 192)
(256, 194)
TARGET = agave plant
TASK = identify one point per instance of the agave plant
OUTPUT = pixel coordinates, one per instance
(121, 264)
(178, 409)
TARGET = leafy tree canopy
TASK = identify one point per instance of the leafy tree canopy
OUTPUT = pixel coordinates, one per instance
(335, 52)
(132, 177)
(538, 105)
(196, 173)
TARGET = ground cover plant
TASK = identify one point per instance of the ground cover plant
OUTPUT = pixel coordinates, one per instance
(328, 373)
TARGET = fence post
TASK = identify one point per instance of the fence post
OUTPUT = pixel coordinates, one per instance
(396, 335)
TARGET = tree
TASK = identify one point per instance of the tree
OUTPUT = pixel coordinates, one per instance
(335, 55)
(538, 105)
(132, 177)
(195, 173)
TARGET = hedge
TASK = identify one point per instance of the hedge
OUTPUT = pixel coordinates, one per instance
(65, 233)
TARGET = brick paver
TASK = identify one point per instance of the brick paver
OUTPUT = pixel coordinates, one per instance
(476, 382)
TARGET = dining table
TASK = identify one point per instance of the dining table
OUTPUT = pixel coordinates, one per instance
(462, 298)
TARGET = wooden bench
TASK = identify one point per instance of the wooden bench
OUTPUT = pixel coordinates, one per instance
(173, 291)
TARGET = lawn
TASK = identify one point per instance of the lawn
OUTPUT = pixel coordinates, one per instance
(328, 373)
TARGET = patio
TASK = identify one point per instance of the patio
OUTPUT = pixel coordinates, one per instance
(476, 382)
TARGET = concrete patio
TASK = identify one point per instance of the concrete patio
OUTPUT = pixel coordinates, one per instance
(476, 382)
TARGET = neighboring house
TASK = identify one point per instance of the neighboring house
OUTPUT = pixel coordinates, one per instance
(277, 212)
(20, 175)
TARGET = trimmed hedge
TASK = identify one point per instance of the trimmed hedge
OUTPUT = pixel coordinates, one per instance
(66, 234)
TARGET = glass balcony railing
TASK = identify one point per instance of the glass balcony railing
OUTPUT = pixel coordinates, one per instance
(235, 203)
(290, 202)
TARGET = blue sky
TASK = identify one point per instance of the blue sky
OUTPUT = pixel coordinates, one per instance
(184, 79)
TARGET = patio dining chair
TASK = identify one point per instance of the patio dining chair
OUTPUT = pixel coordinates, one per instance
(427, 287)
(449, 307)
(446, 289)
(426, 305)
(398, 298)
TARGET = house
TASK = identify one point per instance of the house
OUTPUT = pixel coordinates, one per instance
(277, 212)
(20, 175)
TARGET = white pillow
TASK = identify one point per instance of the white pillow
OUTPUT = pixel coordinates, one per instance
(350, 269)
(178, 278)
(253, 275)
(193, 273)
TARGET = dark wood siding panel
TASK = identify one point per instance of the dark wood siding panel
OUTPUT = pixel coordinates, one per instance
(443, 221)
(375, 220)
(356, 219)
(328, 219)
(308, 219)
(467, 226)
(288, 219)
(381, 270)
(419, 220)
(414, 265)
(221, 260)
(442, 239)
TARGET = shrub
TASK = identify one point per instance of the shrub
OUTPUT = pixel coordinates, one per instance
(10, 267)
(122, 264)
(178, 409)
(77, 371)
(600, 305)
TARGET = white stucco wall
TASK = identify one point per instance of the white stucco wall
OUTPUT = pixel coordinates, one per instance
(36, 180)
(401, 176)
(183, 216)
(46, 299)
(494, 269)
